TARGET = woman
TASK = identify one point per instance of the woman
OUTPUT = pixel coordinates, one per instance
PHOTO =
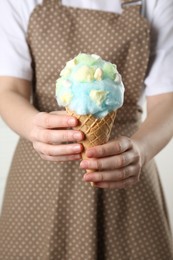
(50, 211)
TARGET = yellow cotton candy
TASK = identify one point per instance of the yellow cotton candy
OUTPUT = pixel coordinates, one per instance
(98, 96)
(84, 74)
(71, 64)
(65, 72)
(98, 74)
(66, 98)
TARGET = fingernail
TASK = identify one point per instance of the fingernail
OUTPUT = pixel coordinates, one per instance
(84, 164)
(90, 153)
(77, 148)
(71, 121)
(77, 136)
(87, 177)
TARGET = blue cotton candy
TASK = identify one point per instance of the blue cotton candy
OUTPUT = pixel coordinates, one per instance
(76, 94)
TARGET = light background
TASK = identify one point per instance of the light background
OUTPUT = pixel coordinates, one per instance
(8, 140)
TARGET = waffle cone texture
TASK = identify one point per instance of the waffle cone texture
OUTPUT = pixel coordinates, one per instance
(97, 130)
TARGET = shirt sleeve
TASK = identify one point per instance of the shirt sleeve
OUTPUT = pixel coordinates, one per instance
(160, 77)
(15, 57)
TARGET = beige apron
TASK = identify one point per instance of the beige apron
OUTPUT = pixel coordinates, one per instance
(49, 213)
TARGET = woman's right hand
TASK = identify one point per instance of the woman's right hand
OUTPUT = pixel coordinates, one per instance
(50, 134)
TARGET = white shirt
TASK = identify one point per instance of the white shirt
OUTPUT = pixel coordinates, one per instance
(15, 59)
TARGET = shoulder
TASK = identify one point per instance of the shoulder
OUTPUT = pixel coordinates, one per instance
(156, 8)
(18, 5)
(160, 16)
(14, 52)
(17, 11)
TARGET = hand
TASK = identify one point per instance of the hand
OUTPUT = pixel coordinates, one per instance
(49, 133)
(116, 164)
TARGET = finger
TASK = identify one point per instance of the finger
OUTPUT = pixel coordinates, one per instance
(50, 121)
(56, 136)
(128, 183)
(112, 162)
(61, 158)
(57, 150)
(111, 176)
(111, 148)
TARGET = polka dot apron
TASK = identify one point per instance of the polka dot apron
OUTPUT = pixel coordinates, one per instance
(49, 213)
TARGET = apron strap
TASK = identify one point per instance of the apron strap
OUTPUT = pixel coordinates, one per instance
(137, 4)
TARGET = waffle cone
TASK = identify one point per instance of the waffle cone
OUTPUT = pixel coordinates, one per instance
(97, 130)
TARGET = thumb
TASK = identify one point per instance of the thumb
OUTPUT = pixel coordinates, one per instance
(60, 113)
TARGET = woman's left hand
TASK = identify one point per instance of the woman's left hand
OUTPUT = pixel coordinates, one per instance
(116, 164)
